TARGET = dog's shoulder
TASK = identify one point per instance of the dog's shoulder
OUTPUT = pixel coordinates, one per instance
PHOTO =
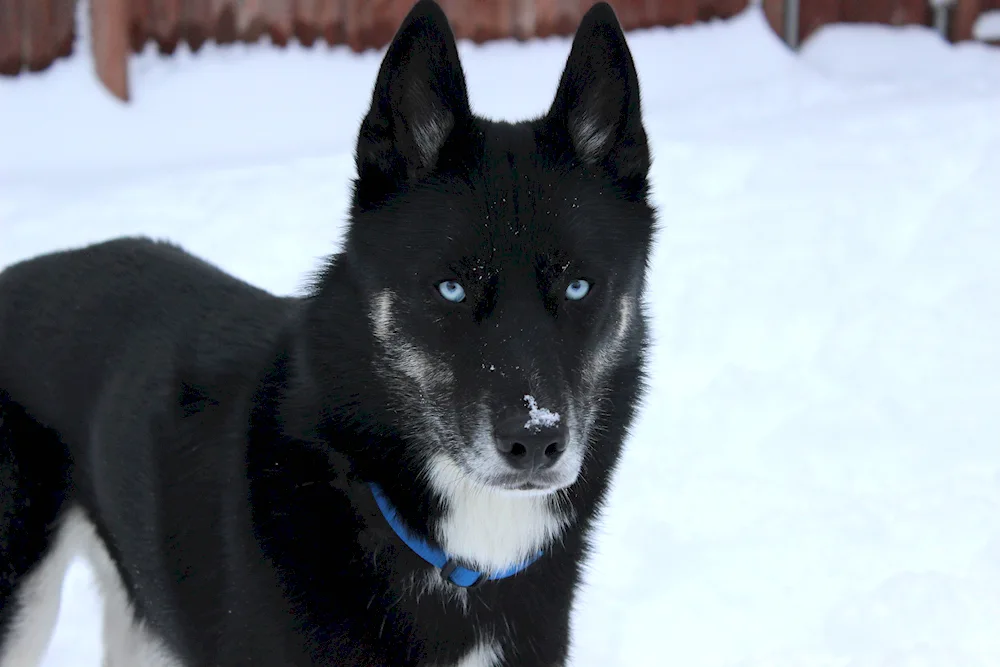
(128, 313)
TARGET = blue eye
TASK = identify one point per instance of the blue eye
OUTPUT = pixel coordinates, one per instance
(451, 290)
(577, 289)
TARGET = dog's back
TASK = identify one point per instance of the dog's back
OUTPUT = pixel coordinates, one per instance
(69, 320)
(92, 343)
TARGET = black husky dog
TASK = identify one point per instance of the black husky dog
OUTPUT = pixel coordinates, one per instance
(400, 468)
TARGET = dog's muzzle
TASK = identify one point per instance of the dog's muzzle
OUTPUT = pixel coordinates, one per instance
(529, 448)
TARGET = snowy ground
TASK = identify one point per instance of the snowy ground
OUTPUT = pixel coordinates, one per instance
(815, 480)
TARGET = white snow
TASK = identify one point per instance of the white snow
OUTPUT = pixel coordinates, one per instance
(815, 476)
(987, 26)
(539, 417)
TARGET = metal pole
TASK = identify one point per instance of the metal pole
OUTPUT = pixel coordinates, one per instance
(941, 12)
(792, 23)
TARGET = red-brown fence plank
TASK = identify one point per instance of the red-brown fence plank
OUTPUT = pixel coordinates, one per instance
(558, 17)
(373, 22)
(164, 23)
(963, 18)
(110, 41)
(10, 36)
(523, 18)
(137, 22)
(722, 9)
(198, 23)
(633, 14)
(774, 10)
(36, 40)
(279, 16)
(814, 14)
(892, 12)
(319, 19)
(223, 29)
(63, 27)
(677, 12)
(481, 21)
(34, 33)
(333, 13)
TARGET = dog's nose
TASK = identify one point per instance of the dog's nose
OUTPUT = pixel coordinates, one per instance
(534, 448)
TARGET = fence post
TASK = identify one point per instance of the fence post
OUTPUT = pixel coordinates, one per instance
(941, 9)
(964, 18)
(109, 41)
(792, 23)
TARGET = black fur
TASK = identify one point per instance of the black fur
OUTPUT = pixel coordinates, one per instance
(221, 439)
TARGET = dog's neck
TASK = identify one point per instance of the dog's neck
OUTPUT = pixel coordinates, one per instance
(449, 567)
(492, 529)
(485, 529)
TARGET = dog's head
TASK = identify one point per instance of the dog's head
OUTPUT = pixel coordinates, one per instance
(502, 264)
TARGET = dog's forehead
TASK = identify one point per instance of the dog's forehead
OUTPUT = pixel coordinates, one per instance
(517, 196)
(511, 206)
(517, 226)
(534, 224)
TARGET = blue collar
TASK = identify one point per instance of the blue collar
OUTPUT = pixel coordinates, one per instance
(451, 571)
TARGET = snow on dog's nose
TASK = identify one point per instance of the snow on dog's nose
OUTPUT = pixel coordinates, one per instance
(531, 441)
(529, 448)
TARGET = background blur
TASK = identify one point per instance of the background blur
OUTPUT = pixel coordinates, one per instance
(814, 477)
(33, 33)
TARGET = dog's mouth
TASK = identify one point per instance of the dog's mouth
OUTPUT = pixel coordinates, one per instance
(531, 452)
(475, 474)
(536, 482)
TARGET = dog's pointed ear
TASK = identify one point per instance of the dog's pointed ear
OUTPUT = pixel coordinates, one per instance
(419, 99)
(597, 102)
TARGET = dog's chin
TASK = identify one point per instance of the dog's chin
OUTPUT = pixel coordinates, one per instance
(527, 484)
(494, 476)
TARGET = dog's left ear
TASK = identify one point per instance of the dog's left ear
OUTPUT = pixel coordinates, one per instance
(597, 103)
(419, 99)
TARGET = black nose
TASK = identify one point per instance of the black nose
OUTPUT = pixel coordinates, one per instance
(534, 448)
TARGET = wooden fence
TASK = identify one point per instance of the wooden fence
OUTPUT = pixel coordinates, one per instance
(34, 33)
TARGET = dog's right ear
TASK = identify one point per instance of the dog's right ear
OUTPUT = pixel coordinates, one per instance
(597, 103)
(419, 99)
